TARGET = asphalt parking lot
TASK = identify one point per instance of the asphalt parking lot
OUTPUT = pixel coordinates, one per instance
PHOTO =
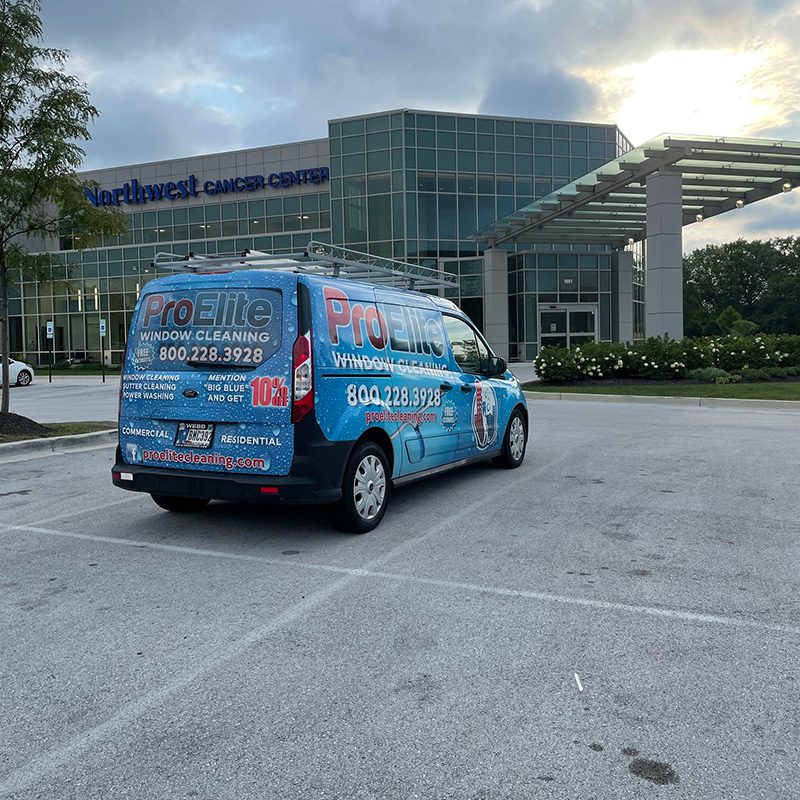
(652, 550)
(67, 399)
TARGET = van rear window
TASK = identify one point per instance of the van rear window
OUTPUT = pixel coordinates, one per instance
(206, 328)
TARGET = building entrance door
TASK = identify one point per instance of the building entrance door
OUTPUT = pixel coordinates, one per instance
(567, 326)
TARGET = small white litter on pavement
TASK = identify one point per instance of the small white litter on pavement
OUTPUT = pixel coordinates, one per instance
(578, 681)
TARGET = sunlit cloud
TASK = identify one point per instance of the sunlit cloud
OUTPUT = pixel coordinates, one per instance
(713, 92)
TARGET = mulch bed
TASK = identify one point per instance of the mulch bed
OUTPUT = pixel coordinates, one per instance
(15, 425)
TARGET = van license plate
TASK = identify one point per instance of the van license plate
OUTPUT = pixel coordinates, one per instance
(194, 434)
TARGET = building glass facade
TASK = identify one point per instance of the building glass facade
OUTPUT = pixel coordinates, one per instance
(412, 185)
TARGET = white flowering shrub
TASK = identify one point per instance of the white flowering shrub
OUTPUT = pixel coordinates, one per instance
(662, 359)
(556, 364)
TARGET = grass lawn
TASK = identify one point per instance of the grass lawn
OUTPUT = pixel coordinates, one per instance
(766, 390)
(62, 429)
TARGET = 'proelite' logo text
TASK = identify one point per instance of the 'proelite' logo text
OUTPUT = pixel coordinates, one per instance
(210, 308)
(405, 329)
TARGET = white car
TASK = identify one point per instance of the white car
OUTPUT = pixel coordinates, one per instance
(20, 373)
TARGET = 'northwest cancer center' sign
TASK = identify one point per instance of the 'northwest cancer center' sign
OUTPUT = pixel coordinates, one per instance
(135, 193)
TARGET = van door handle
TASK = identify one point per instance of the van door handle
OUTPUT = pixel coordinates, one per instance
(466, 387)
(445, 387)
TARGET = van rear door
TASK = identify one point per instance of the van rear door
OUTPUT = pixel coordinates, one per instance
(207, 378)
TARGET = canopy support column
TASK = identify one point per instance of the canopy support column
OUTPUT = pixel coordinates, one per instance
(495, 302)
(622, 295)
(664, 259)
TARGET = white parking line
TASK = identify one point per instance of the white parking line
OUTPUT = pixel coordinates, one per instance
(97, 507)
(499, 591)
(64, 753)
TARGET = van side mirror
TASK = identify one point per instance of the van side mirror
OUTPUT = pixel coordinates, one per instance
(497, 366)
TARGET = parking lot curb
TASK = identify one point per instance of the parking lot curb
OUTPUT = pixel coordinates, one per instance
(57, 444)
(697, 402)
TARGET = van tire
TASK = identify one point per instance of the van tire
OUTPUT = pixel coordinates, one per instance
(367, 480)
(182, 505)
(514, 442)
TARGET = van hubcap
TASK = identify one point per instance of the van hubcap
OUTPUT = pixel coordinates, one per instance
(516, 439)
(24, 378)
(369, 487)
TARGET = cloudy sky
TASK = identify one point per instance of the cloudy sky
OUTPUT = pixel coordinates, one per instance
(179, 77)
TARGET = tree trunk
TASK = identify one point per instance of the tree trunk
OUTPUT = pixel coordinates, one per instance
(4, 337)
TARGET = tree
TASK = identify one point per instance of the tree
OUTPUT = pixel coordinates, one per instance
(44, 116)
(728, 318)
(758, 280)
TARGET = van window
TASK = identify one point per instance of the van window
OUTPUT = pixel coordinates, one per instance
(469, 352)
(206, 329)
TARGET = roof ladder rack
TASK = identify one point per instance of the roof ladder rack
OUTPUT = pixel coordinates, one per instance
(319, 258)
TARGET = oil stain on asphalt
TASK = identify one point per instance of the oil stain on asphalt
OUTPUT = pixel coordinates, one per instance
(653, 771)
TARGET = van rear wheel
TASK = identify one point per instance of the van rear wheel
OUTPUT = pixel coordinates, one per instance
(183, 505)
(365, 490)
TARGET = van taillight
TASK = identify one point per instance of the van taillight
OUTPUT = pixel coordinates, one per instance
(302, 377)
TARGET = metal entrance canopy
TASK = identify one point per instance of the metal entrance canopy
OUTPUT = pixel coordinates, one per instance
(609, 205)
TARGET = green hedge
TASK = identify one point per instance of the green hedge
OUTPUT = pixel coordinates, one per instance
(760, 357)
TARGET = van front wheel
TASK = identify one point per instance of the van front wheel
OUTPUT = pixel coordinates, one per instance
(180, 504)
(514, 443)
(365, 490)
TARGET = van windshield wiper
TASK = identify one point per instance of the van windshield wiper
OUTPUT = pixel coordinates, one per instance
(196, 362)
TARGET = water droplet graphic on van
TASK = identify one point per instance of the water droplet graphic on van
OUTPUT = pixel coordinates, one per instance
(294, 299)
(267, 461)
(276, 431)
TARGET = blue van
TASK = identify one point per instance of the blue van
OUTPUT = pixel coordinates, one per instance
(266, 379)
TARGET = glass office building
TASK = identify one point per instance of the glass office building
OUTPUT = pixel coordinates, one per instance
(412, 185)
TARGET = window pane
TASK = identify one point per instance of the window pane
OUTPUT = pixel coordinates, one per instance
(353, 165)
(352, 126)
(447, 216)
(467, 220)
(463, 343)
(447, 182)
(426, 159)
(352, 144)
(554, 322)
(589, 281)
(466, 141)
(485, 142)
(355, 222)
(548, 280)
(377, 124)
(447, 159)
(427, 216)
(378, 141)
(466, 161)
(379, 183)
(378, 161)
(380, 217)
(426, 181)
(446, 139)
